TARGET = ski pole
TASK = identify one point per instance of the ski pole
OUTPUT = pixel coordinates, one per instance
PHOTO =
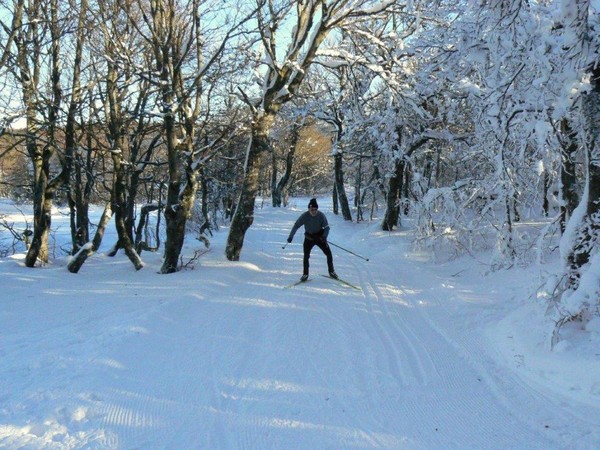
(285, 245)
(346, 250)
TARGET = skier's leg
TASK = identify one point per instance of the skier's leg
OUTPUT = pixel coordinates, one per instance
(307, 247)
(324, 246)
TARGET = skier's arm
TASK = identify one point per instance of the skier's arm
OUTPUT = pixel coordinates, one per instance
(325, 226)
(297, 225)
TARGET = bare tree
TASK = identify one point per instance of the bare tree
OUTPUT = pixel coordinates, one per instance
(186, 53)
(27, 58)
(36, 39)
(117, 85)
(39, 47)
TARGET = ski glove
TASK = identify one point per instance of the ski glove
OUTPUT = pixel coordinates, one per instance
(289, 240)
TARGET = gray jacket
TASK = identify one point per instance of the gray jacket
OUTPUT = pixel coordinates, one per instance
(314, 227)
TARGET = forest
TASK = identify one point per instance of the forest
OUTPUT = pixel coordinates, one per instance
(471, 117)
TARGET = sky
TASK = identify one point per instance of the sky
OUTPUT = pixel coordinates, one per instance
(426, 353)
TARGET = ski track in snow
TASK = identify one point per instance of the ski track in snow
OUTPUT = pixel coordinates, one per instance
(223, 357)
(512, 399)
(393, 325)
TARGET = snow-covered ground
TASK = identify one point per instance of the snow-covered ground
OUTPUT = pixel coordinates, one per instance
(424, 356)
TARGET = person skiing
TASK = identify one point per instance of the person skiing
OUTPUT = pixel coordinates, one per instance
(316, 230)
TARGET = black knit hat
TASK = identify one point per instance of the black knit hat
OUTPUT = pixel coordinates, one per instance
(313, 203)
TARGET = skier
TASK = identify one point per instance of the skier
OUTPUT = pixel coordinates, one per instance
(316, 230)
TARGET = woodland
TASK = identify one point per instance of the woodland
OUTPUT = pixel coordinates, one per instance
(471, 117)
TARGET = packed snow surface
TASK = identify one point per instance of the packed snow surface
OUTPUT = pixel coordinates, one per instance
(424, 355)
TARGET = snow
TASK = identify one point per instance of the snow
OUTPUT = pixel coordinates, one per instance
(424, 356)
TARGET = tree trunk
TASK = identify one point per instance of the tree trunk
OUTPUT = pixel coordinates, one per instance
(206, 224)
(397, 184)
(177, 212)
(358, 197)
(42, 217)
(28, 49)
(568, 178)
(77, 194)
(120, 208)
(336, 204)
(392, 212)
(88, 250)
(589, 230)
(339, 186)
(80, 189)
(141, 243)
(119, 188)
(405, 189)
(244, 213)
(183, 183)
(547, 193)
(275, 195)
(278, 187)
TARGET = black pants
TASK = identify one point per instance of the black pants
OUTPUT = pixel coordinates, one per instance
(308, 246)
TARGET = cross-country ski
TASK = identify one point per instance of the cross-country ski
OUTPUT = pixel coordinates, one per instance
(296, 283)
(342, 281)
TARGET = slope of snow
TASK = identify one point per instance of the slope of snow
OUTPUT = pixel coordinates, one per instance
(423, 356)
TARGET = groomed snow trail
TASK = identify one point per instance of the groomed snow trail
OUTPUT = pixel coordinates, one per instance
(223, 357)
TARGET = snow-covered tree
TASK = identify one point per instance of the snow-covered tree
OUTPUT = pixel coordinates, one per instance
(576, 293)
(186, 49)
